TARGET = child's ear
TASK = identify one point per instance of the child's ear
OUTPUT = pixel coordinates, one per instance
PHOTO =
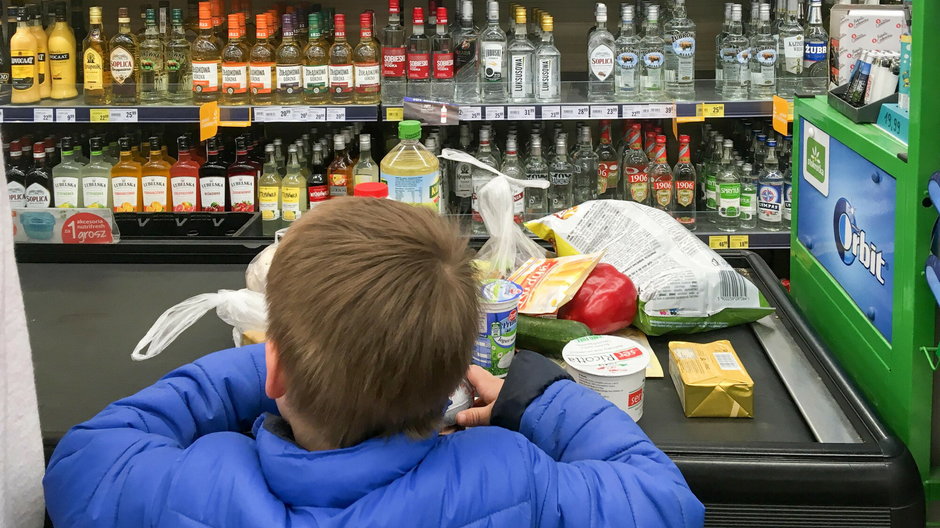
(274, 385)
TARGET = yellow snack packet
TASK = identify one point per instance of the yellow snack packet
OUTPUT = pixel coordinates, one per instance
(548, 283)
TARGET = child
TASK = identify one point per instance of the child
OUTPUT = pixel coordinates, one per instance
(372, 309)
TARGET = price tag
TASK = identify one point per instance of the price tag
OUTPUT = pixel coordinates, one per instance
(708, 110)
(300, 113)
(521, 112)
(336, 114)
(42, 115)
(65, 115)
(783, 114)
(1, 115)
(397, 114)
(282, 113)
(551, 112)
(633, 111)
(718, 242)
(660, 111)
(470, 113)
(575, 112)
(123, 115)
(605, 112)
(495, 113)
(318, 114)
(99, 115)
(740, 241)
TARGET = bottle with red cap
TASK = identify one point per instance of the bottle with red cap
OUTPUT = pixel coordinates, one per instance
(342, 82)
(635, 182)
(394, 59)
(371, 190)
(419, 58)
(366, 63)
(685, 177)
(442, 55)
(660, 176)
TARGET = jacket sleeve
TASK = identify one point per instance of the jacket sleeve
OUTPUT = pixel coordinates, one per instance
(104, 471)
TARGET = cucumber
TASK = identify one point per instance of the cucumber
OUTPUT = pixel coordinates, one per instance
(548, 336)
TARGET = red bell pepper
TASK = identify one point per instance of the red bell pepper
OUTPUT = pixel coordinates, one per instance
(606, 302)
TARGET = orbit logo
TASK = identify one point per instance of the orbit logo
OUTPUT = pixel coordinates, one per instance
(852, 244)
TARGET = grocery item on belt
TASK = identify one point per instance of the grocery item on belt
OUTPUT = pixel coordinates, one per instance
(683, 285)
(549, 283)
(460, 400)
(548, 336)
(614, 367)
(606, 301)
(655, 368)
(496, 342)
(711, 380)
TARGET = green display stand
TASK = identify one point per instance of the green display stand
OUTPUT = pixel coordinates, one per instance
(883, 334)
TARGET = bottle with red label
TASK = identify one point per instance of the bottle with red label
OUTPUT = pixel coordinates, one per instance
(318, 188)
(608, 166)
(342, 81)
(213, 191)
(394, 82)
(442, 57)
(685, 176)
(660, 177)
(242, 180)
(635, 186)
(184, 179)
(366, 63)
(419, 58)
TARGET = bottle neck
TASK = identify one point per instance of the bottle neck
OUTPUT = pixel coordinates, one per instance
(627, 28)
(293, 160)
(96, 155)
(124, 27)
(685, 153)
(520, 31)
(156, 155)
(652, 27)
(736, 28)
(127, 155)
(417, 29)
(547, 37)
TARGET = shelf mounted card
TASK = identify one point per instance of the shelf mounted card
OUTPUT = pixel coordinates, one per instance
(470, 113)
(434, 113)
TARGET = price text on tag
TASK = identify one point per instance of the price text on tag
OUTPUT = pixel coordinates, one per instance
(654, 111)
(718, 242)
(495, 113)
(123, 115)
(99, 115)
(740, 241)
(397, 114)
(575, 112)
(521, 112)
(65, 115)
(551, 112)
(336, 114)
(42, 115)
(605, 112)
(318, 114)
(470, 113)
(709, 110)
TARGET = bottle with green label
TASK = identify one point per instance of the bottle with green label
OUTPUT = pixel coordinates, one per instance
(293, 189)
(728, 186)
(96, 178)
(269, 193)
(748, 198)
(712, 166)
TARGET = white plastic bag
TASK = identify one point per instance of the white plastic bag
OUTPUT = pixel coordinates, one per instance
(508, 247)
(244, 309)
(256, 276)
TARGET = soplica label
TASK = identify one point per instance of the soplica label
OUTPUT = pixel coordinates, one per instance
(602, 62)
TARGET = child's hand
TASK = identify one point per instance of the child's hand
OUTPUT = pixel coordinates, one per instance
(487, 386)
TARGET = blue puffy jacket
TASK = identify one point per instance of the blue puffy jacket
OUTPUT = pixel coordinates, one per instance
(172, 456)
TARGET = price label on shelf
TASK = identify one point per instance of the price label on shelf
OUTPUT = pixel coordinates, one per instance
(633, 111)
(551, 112)
(718, 242)
(710, 110)
(660, 111)
(317, 114)
(336, 114)
(300, 113)
(395, 113)
(282, 113)
(470, 113)
(42, 115)
(783, 114)
(575, 112)
(605, 112)
(495, 113)
(99, 115)
(739, 241)
(123, 115)
(1, 115)
(521, 112)
(65, 115)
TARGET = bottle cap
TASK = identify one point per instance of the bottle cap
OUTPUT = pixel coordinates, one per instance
(371, 190)
(548, 23)
(205, 11)
(339, 142)
(736, 13)
(661, 140)
(467, 12)
(292, 149)
(684, 139)
(394, 7)
(492, 11)
(417, 16)
(600, 12)
(155, 143)
(520, 15)
(365, 141)
(182, 144)
(94, 143)
(151, 15)
(409, 129)
(771, 142)
(66, 144)
(442, 16)
(241, 146)
(124, 16)
(177, 14)
(765, 12)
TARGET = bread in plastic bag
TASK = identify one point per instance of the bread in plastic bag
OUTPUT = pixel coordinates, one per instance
(684, 286)
(244, 309)
(508, 246)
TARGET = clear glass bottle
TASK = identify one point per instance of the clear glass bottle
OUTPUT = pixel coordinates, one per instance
(394, 58)
(178, 68)
(536, 168)
(342, 82)
(719, 55)
(234, 66)
(462, 184)
(288, 65)
(547, 64)
(411, 171)
(419, 58)
(481, 177)
(125, 64)
(686, 182)
(790, 54)
(96, 62)
(680, 53)
(662, 183)
(608, 165)
(635, 187)
(466, 57)
(736, 56)
(495, 69)
(770, 191)
(652, 58)
(513, 167)
(585, 166)
(626, 74)
(293, 190)
(815, 52)
(442, 59)
(601, 59)
(67, 178)
(561, 177)
(748, 219)
(728, 188)
(366, 169)
(152, 71)
(206, 53)
(763, 58)
(316, 58)
(261, 62)
(366, 56)
(521, 59)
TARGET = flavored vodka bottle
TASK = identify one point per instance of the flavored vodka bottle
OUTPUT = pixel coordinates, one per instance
(608, 165)
(735, 56)
(652, 58)
(601, 59)
(685, 177)
(627, 68)
(635, 180)
(661, 179)
(680, 53)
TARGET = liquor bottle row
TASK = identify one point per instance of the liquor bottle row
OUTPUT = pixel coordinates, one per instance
(301, 55)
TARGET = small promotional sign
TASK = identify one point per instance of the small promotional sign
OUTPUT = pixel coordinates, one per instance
(64, 226)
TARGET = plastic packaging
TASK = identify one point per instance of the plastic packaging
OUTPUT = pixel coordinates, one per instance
(549, 283)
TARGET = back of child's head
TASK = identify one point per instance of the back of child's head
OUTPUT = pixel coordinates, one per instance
(372, 308)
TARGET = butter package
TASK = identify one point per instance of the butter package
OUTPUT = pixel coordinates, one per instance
(710, 380)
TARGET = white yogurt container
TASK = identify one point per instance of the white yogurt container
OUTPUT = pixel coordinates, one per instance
(614, 367)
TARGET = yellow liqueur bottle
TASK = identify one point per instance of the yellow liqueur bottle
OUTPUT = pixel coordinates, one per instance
(24, 62)
(62, 57)
(96, 63)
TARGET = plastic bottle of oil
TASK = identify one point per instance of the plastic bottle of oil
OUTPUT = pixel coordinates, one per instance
(411, 171)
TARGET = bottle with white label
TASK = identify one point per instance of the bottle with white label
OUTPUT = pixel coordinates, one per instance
(728, 188)
(213, 191)
(342, 82)
(770, 192)
(242, 178)
(494, 59)
(815, 52)
(652, 58)
(261, 65)
(627, 67)
(411, 171)
(39, 180)
(749, 199)
(184, 179)
(316, 59)
(288, 69)
(736, 57)
(680, 53)
(547, 64)
(442, 60)
(234, 66)
(366, 56)
(155, 180)
(125, 180)
(763, 58)
(206, 59)
(67, 177)
(16, 178)
(536, 168)
(601, 59)
(790, 54)
(462, 184)
(125, 67)
(521, 57)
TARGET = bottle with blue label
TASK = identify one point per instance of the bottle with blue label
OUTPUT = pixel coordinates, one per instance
(770, 192)
(411, 171)
(815, 52)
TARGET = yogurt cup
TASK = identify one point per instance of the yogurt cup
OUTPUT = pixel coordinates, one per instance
(496, 342)
(612, 366)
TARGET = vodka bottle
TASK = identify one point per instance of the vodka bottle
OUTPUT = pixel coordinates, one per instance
(754, 21)
(419, 58)
(394, 59)
(790, 54)
(608, 165)
(462, 185)
(626, 74)
(442, 60)
(601, 59)
(521, 59)
(481, 177)
(719, 38)
(728, 183)
(770, 192)
(512, 166)
(712, 166)
(466, 58)
(495, 70)
(685, 178)
(748, 198)
(561, 173)
(536, 200)
(787, 196)
(635, 185)
(547, 65)
(735, 57)
(661, 178)
(585, 163)
(652, 58)
(815, 52)
(763, 58)
(680, 53)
